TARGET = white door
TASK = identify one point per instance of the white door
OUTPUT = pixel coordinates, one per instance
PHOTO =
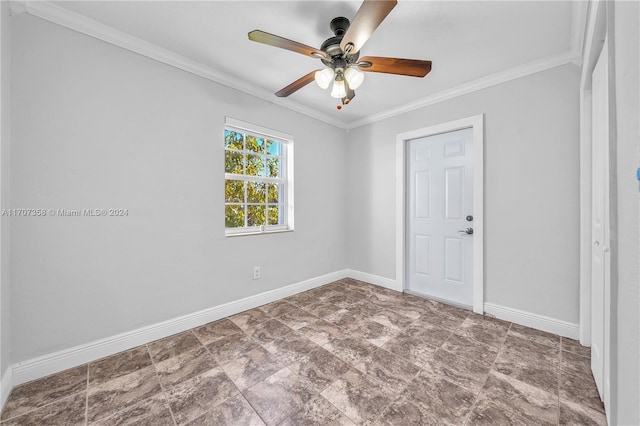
(440, 221)
(600, 256)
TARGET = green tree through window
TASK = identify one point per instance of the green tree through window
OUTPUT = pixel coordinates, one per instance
(255, 182)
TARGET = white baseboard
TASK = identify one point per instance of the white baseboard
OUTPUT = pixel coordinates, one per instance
(67, 358)
(374, 279)
(5, 386)
(539, 322)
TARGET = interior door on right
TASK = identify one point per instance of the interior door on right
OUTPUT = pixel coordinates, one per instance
(440, 222)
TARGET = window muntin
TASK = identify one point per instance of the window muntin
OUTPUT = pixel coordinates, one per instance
(258, 184)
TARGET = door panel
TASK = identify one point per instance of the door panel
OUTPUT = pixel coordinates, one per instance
(440, 188)
(454, 193)
(423, 187)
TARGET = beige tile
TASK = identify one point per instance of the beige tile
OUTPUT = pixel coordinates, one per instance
(193, 397)
(534, 335)
(413, 349)
(291, 348)
(318, 412)
(277, 308)
(322, 309)
(321, 332)
(529, 349)
(458, 370)
(470, 349)
(216, 330)
(251, 367)
(235, 411)
(269, 331)
(575, 364)
(484, 330)
(279, 396)
(248, 319)
(530, 370)
(29, 396)
(389, 370)
(526, 401)
(297, 318)
(152, 411)
(374, 332)
(320, 368)
(231, 347)
(350, 349)
(185, 366)
(345, 319)
(117, 365)
(574, 346)
(405, 412)
(122, 392)
(486, 413)
(439, 398)
(580, 390)
(576, 414)
(391, 318)
(360, 398)
(173, 345)
(67, 411)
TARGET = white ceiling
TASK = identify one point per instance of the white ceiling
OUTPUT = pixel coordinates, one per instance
(466, 40)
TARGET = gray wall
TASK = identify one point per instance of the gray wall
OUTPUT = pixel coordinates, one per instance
(626, 338)
(531, 190)
(5, 135)
(95, 126)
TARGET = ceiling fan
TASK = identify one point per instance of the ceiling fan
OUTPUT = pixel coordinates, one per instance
(341, 53)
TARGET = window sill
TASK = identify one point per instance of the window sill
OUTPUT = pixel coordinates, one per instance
(244, 234)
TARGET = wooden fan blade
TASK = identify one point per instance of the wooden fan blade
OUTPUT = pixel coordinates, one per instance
(410, 67)
(369, 16)
(296, 85)
(283, 43)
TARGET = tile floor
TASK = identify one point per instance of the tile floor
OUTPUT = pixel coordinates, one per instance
(342, 354)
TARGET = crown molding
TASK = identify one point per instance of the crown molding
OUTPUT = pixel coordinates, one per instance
(77, 22)
(80, 23)
(579, 17)
(473, 86)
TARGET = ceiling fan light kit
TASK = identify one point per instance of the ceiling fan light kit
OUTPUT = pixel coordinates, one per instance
(324, 77)
(339, 90)
(354, 77)
(340, 54)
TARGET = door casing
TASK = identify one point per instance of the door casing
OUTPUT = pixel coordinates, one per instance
(477, 124)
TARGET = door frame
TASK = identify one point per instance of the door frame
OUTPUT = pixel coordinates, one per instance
(596, 34)
(475, 122)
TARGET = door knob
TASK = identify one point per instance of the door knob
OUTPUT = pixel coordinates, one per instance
(596, 243)
(467, 231)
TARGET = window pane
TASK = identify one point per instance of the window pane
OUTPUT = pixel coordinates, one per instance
(256, 192)
(273, 166)
(274, 215)
(273, 194)
(255, 144)
(273, 147)
(233, 140)
(233, 162)
(255, 165)
(234, 191)
(234, 217)
(256, 215)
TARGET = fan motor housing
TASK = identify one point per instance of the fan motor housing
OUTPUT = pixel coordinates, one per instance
(331, 46)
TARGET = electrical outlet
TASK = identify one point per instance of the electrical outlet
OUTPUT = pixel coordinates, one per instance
(256, 272)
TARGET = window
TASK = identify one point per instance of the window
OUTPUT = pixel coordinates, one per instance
(258, 166)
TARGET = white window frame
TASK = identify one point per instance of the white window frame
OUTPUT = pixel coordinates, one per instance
(286, 179)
